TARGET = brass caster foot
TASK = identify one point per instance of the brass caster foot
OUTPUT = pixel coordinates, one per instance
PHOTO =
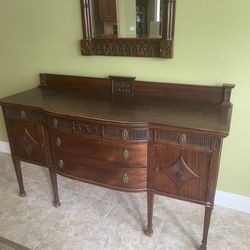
(57, 203)
(22, 193)
(149, 233)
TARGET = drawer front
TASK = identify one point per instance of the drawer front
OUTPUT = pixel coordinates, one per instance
(180, 172)
(99, 130)
(28, 140)
(23, 114)
(123, 133)
(100, 172)
(121, 153)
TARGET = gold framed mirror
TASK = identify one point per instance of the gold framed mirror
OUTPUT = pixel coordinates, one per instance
(139, 28)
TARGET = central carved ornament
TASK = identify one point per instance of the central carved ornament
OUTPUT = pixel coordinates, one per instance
(179, 172)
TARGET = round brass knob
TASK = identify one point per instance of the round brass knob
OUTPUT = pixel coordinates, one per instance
(125, 134)
(55, 123)
(22, 114)
(125, 154)
(182, 139)
(61, 163)
(58, 141)
(125, 178)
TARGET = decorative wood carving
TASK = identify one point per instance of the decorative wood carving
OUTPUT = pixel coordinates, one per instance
(122, 85)
(27, 141)
(227, 94)
(87, 129)
(179, 172)
(197, 141)
(127, 47)
(133, 134)
(43, 83)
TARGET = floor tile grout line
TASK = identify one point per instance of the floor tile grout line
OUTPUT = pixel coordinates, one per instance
(156, 242)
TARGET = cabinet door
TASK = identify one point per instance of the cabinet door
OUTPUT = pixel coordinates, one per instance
(112, 10)
(27, 140)
(180, 171)
(107, 10)
(103, 10)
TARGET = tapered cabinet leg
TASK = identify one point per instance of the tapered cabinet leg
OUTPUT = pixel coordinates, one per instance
(53, 178)
(208, 212)
(150, 203)
(19, 176)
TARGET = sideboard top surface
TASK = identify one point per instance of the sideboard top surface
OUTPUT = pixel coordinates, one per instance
(205, 117)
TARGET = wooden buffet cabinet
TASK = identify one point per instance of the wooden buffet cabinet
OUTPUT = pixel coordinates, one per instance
(123, 134)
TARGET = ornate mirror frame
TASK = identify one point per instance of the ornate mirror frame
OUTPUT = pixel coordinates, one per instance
(136, 47)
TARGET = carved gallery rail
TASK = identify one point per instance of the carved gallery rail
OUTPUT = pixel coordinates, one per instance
(123, 134)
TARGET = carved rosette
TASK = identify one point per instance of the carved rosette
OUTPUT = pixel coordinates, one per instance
(179, 172)
(27, 141)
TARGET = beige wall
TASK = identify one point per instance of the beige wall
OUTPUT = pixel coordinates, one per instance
(212, 46)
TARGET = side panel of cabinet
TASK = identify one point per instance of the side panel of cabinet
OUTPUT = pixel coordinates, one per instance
(27, 140)
(180, 171)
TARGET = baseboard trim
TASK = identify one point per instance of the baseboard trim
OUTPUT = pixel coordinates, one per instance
(4, 147)
(224, 199)
(233, 201)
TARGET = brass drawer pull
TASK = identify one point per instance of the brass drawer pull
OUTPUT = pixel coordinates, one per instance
(58, 141)
(61, 163)
(55, 123)
(125, 154)
(182, 139)
(125, 134)
(125, 178)
(23, 114)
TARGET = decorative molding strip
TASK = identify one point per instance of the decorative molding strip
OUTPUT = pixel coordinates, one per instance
(224, 199)
(128, 47)
(233, 201)
(183, 139)
(4, 147)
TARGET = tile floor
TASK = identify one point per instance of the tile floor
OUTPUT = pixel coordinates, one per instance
(95, 218)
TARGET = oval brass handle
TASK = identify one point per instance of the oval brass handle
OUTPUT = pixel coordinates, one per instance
(22, 114)
(61, 163)
(55, 123)
(125, 154)
(58, 141)
(125, 178)
(125, 134)
(182, 139)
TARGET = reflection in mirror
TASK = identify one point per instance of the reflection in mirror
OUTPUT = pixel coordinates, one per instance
(127, 18)
(143, 28)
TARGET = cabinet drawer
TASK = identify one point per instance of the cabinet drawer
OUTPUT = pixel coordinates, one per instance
(27, 140)
(23, 114)
(180, 172)
(97, 171)
(113, 152)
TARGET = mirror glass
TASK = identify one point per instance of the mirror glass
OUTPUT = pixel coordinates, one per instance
(127, 18)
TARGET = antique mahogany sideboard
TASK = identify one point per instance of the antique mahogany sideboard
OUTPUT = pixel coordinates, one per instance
(123, 134)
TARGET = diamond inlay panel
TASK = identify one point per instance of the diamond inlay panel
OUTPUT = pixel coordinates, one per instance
(179, 172)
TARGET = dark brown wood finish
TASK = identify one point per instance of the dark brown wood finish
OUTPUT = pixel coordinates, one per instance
(113, 46)
(123, 134)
